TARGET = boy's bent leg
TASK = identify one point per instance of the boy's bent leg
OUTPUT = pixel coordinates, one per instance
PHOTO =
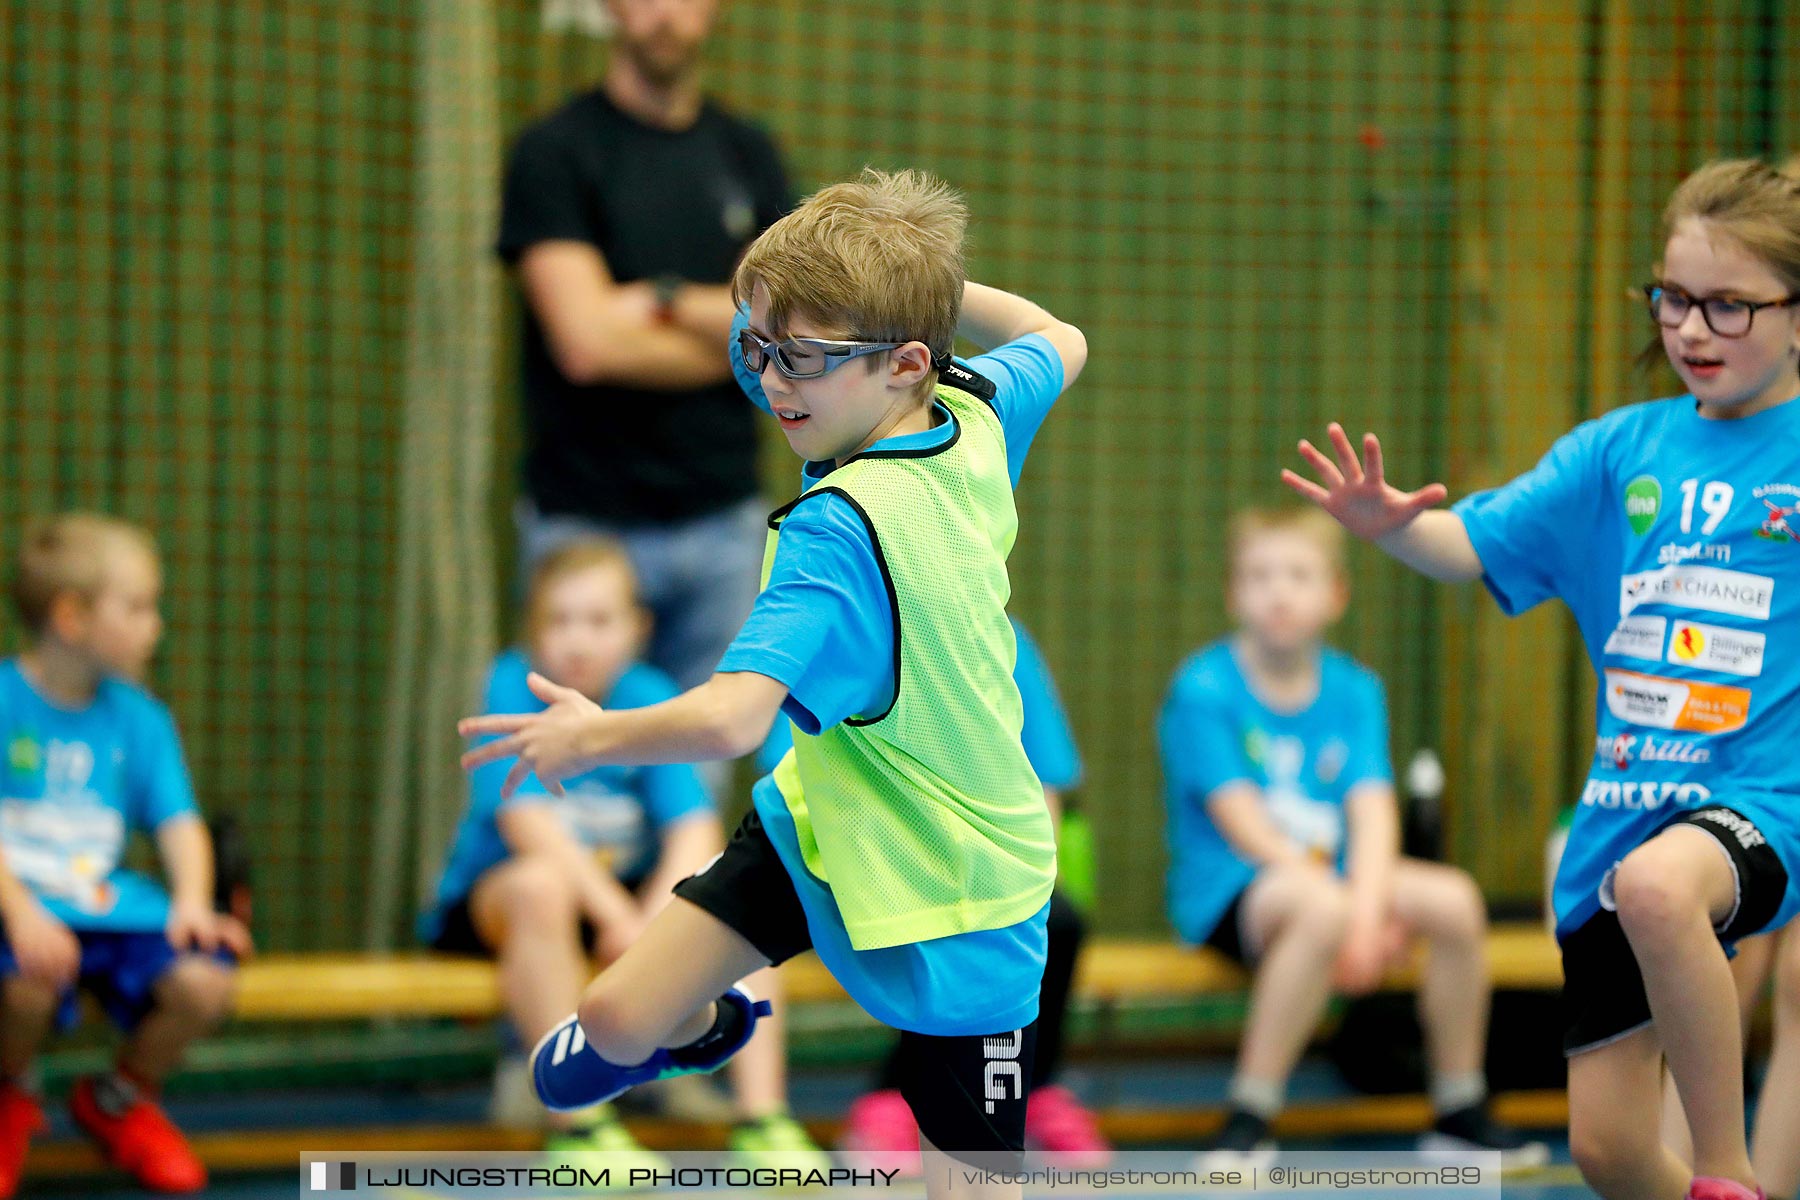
(1443, 906)
(192, 998)
(948, 1178)
(759, 1072)
(969, 1095)
(642, 1017)
(1294, 919)
(657, 995)
(667, 1007)
(1613, 1133)
(27, 1010)
(525, 912)
(173, 1000)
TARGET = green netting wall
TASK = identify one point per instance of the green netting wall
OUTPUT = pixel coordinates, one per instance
(223, 266)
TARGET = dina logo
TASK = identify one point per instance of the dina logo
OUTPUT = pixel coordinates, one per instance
(1643, 500)
(24, 755)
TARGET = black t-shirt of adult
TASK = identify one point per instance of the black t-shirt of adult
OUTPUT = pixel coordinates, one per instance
(654, 202)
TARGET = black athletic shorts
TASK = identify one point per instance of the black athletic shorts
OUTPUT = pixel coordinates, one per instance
(1227, 937)
(968, 1093)
(1603, 996)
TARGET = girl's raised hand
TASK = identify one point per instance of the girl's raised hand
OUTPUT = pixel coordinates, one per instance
(1355, 491)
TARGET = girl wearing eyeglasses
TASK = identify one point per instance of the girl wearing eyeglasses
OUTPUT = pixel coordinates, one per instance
(1652, 525)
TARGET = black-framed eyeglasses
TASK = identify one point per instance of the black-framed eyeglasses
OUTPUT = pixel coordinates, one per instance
(803, 357)
(1725, 316)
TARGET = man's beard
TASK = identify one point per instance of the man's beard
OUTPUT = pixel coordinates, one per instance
(662, 69)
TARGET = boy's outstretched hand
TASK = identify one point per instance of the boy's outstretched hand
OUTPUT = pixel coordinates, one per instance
(549, 744)
(1355, 492)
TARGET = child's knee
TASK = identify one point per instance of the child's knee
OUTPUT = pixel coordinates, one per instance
(535, 891)
(200, 989)
(1614, 1149)
(1651, 896)
(1461, 915)
(1321, 912)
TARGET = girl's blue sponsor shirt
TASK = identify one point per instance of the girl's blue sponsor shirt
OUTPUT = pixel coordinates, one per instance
(76, 782)
(823, 628)
(1215, 731)
(1672, 539)
(623, 810)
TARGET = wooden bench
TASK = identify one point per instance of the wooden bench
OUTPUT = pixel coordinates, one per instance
(1112, 971)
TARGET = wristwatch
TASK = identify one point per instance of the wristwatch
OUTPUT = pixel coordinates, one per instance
(666, 287)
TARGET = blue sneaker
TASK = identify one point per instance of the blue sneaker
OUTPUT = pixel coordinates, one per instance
(568, 1074)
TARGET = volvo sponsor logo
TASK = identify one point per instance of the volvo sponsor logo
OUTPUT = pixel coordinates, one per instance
(1642, 795)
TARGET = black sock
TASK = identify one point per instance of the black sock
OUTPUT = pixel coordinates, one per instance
(727, 1027)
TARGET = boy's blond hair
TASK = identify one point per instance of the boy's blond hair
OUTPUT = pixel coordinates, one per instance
(571, 558)
(877, 259)
(1310, 521)
(70, 552)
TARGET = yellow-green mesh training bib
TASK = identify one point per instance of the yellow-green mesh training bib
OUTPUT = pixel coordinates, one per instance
(926, 819)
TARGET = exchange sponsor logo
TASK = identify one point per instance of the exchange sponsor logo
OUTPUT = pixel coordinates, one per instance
(1716, 648)
(1686, 704)
(1709, 589)
(1622, 750)
(1642, 795)
(1638, 637)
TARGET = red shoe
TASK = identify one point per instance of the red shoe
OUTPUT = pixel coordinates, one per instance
(142, 1141)
(20, 1117)
(1060, 1126)
(881, 1135)
(1707, 1188)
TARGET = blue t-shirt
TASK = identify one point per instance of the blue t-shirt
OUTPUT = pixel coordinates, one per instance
(1049, 742)
(1672, 539)
(823, 628)
(623, 810)
(77, 782)
(1214, 730)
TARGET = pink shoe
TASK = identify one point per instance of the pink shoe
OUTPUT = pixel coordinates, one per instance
(1064, 1130)
(1705, 1187)
(881, 1135)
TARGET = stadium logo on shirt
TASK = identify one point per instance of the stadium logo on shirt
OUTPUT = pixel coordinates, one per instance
(1643, 500)
(1674, 552)
(1781, 521)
